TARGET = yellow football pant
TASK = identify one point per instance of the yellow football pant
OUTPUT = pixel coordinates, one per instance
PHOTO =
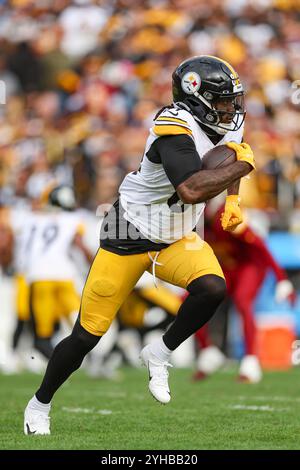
(112, 277)
(50, 301)
(133, 310)
(22, 298)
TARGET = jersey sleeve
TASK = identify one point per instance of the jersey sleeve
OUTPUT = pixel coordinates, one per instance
(171, 123)
(179, 157)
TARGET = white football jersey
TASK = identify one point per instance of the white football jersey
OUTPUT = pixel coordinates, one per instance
(48, 239)
(144, 194)
(18, 218)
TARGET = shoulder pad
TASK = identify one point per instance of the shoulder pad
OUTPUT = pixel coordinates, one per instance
(171, 121)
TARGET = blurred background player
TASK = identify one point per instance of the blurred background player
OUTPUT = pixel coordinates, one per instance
(245, 260)
(42, 240)
(50, 233)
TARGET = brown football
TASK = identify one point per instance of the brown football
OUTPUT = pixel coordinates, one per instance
(218, 157)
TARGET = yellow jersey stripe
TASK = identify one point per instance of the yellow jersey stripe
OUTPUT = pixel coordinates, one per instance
(170, 129)
(167, 118)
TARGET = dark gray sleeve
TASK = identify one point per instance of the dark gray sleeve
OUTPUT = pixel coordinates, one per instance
(179, 157)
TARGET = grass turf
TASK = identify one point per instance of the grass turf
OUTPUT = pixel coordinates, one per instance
(218, 413)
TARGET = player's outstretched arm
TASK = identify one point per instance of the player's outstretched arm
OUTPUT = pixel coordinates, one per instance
(79, 243)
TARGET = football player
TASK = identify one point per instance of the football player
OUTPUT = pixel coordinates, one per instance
(150, 227)
(48, 236)
(245, 260)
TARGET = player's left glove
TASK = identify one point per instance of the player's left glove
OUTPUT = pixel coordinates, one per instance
(232, 215)
(243, 152)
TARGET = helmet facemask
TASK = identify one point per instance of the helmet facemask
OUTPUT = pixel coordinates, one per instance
(220, 112)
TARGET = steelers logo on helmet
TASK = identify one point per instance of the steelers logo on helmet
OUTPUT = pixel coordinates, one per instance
(190, 83)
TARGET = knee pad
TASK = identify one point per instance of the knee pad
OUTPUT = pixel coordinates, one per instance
(104, 287)
(210, 286)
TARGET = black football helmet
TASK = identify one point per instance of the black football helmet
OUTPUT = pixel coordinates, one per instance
(211, 90)
(62, 196)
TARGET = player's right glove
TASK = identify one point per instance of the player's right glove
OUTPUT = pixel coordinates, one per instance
(243, 152)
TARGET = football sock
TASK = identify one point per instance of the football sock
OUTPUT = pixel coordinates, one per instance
(206, 293)
(66, 358)
(160, 350)
(35, 404)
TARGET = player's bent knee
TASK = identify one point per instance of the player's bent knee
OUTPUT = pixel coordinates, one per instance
(211, 286)
(103, 287)
(99, 305)
(83, 339)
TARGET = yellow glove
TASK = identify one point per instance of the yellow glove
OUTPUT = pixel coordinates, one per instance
(232, 215)
(243, 152)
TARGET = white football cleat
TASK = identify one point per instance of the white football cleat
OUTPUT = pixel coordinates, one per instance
(36, 422)
(250, 370)
(210, 360)
(158, 375)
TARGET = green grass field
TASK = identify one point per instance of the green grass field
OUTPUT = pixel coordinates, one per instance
(216, 414)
